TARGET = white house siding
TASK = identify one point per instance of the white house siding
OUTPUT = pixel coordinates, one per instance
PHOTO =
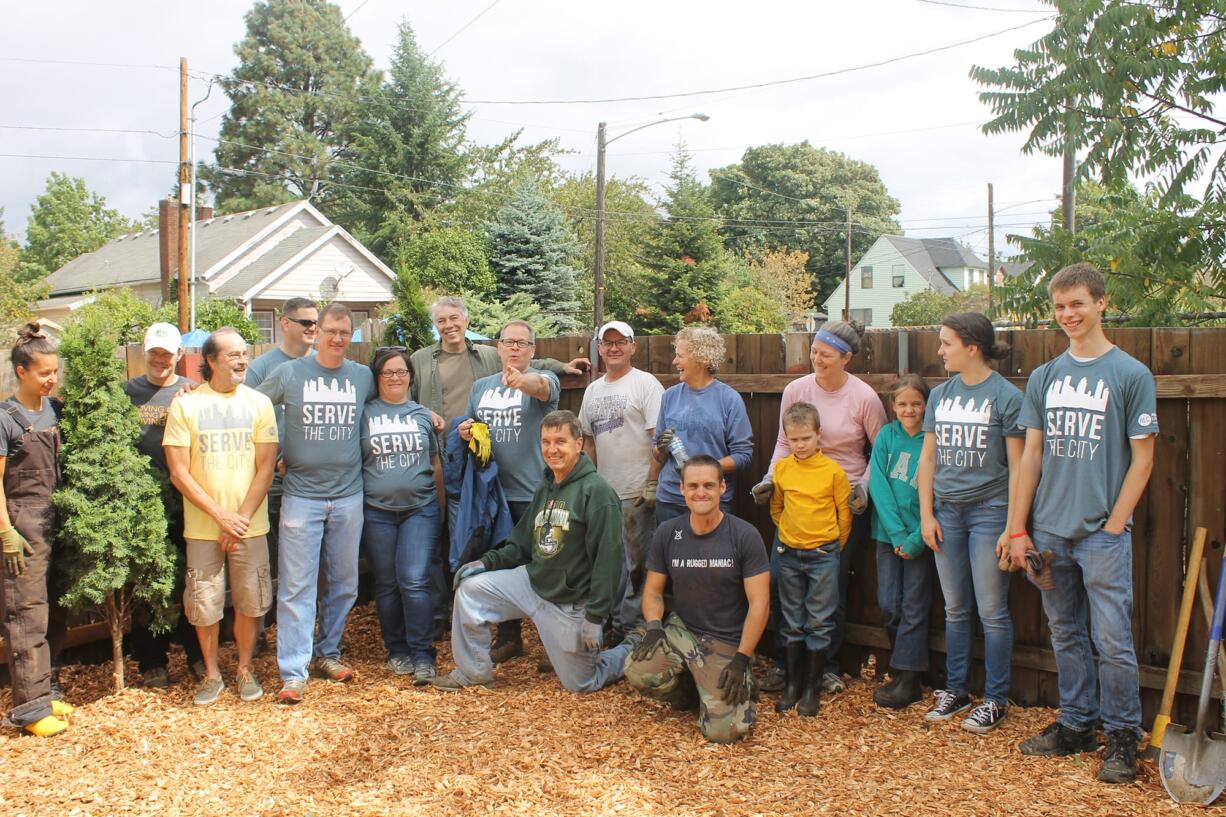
(882, 257)
(364, 284)
(301, 219)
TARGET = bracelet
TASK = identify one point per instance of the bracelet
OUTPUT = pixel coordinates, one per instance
(1018, 535)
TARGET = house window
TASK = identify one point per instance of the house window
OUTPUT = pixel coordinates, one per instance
(899, 276)
(864, 316)
(264, 319)
(866, 277)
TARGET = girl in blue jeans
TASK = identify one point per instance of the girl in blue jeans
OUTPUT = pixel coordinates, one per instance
(904, 564)
(403, 486)
(968, 471)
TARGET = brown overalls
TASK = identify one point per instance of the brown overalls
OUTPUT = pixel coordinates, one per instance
(31, 475)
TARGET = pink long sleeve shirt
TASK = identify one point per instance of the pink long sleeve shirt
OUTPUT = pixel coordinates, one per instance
(850, 417)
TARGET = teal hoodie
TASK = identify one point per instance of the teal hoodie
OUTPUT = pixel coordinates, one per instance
(571, 541)
(892, 485)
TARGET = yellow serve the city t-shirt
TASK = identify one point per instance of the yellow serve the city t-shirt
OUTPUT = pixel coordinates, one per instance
(221, 431)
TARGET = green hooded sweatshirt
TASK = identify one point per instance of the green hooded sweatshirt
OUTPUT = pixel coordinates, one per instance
(571, 541)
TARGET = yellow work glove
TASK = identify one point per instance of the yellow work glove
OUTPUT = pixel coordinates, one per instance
(480, 443)
(15, 549)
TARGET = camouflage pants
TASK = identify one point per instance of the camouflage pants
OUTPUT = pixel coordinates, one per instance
(684, 672)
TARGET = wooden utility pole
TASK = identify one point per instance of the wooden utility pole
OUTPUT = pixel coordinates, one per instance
(598, 272)
(185, 198)
(991, 248)
(847, 275)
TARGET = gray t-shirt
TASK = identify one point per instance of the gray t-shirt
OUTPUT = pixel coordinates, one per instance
(12, 428)
(398, 444)
(257, 372)
(1087, 411)
(152, 405)
(618, 417)
(709, 573)
(514, 419)
(323, 412)
(970, 424)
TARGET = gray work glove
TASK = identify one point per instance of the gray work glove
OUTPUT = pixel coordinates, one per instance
(15, 549)
(465, 571)
(858, 501)
(763, 491)
(666, 437)
(591, 636)
(648, 495)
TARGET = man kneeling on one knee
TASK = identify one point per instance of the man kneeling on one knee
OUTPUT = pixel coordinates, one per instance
(560, 567)
(702, 654)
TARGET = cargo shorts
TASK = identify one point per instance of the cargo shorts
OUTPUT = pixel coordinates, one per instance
(204, 595)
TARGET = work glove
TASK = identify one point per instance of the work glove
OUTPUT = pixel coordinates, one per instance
(591, 635)
(648, 495)
(666, 437)
(653, 638)
(736, 679)
(858, 501)
(1038, 569)
(15, 549)
(763, 491)
(466, 571)
(480, 443)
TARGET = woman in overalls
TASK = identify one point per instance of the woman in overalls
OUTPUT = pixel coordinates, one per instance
(29, 468)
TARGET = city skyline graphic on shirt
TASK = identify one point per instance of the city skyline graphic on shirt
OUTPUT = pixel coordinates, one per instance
(500, 397)
(1062, 394)
(319, 390)
(224, 417)
(952, 410)
(395, 424)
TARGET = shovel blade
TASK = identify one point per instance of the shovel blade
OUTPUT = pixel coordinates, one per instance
(1192, 766)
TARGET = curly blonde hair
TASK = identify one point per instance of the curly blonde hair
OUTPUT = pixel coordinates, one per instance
(705, 345)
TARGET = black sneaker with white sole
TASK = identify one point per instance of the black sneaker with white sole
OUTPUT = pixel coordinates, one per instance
(984, 718)
(947, 704)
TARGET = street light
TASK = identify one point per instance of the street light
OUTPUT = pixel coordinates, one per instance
(601, 143)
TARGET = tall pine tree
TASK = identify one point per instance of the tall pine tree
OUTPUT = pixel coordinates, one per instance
(530, 252)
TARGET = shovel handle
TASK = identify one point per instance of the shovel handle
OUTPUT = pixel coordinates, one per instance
(1215, 638)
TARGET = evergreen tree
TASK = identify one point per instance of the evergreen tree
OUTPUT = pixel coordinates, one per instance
(530, 252)
(300, 90)
(409, 325)
(113, 523)
(67, 220)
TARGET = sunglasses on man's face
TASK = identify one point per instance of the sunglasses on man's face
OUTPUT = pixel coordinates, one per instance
(305, 323)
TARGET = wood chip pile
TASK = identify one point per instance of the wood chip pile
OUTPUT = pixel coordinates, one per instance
(381, 747)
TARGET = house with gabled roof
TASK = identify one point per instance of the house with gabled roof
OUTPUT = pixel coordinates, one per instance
(258, 258)
(896, 267)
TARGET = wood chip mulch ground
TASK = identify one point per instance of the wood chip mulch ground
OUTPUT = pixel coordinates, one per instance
(381, 747)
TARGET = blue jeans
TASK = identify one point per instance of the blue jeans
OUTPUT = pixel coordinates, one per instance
(400, 546)
(315, 534)
(808, 583)
(904, 594)
(971, 577)
(1094, 574)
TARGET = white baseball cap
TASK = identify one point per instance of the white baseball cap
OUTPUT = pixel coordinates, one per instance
(618, 326)
(163, 336)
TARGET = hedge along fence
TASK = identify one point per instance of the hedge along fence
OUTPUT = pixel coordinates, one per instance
(1186, 489)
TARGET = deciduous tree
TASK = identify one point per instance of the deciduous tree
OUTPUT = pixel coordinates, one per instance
(67, 220)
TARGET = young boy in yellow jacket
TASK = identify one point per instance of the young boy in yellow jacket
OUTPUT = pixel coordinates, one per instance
(813, 520)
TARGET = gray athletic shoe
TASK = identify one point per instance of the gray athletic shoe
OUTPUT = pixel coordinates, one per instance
(209, 691)
(249, 688)
(400, 665)
(832, 683)
(423, 673)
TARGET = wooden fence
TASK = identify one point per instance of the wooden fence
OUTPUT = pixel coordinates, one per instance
(1185, 491)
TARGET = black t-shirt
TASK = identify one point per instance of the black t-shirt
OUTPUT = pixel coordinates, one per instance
(708, 573)
(153, 403)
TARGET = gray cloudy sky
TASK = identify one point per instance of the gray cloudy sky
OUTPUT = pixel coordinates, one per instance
(916, 120)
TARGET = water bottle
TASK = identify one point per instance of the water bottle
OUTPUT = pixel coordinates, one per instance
(677, 449)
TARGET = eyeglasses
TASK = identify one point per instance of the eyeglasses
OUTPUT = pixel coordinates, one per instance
(513, 343)
(390, 373)
(305, 323)
(391, 349)
(616, 344)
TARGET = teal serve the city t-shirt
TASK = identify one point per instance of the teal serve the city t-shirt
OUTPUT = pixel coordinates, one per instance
(970, 424)
(514, 419)
(398, 445)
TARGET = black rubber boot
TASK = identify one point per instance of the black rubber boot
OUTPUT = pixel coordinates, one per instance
(794, 660)
(810, 700)
(903, 690)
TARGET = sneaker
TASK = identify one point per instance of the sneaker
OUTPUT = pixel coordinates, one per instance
(832, 683)
(249, 688)
(291, 693)
(332, 669)
(208, 691)
(1058, 739)
(423, 672)
(155, 678)
(984, 718)
(1120, 760)
(947, 704)
(506, 650)
(452, 683)
(774, 679)
(400, 665)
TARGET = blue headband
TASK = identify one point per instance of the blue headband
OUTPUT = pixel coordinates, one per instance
(831, 339)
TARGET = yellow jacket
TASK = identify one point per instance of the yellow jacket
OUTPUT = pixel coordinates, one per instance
(809, 505)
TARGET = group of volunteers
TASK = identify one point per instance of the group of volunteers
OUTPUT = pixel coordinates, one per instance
(612, 529)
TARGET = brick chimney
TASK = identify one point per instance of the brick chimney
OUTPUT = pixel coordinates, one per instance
(168, 239)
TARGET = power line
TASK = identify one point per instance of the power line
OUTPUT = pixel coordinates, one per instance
(173, 135)
(462, 28)
(355, 11)
(83, 63)
(88, 158)
(756, 85)
(983, 8)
